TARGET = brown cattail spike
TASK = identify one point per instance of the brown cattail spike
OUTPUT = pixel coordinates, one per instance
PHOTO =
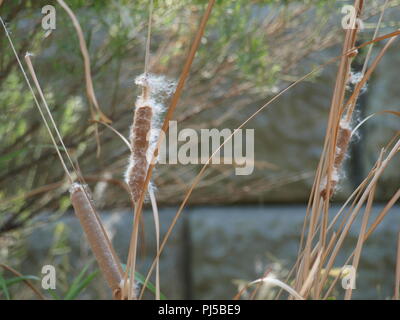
(342, 144)
(98, 239)
(140, 133)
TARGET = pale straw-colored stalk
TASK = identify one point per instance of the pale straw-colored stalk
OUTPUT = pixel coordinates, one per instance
(97, 237)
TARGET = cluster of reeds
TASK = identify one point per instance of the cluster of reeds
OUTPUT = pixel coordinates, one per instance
(323, 238)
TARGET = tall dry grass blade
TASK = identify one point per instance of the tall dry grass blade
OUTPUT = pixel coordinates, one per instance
(38, 104)
(360, 241)
(157, 227)
(383, 214)
(274, 282)
(86, 59)
(39, 89)
(99, 242)
(95, 109)
(26, 281)
(396, 113)
(307, 284)
(119, 134)
(148, 40)
(367, 57)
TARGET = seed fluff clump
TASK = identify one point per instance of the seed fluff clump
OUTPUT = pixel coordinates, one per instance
(145, 129)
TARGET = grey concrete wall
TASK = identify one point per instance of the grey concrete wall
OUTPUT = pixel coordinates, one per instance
(212, 249)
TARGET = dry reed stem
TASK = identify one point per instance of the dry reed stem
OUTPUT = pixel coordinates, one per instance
(97, 238)
(40, 91)
(26, 281)
(365, 66)
(308, 282)
(88, 75)
(85, 53)
(382, 214)
(157, 229)
(360, 241)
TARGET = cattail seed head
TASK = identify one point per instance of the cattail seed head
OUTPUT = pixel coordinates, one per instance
(137, 169)
(353, 53)
(99, 242)
(334, 179)
(342, 144)
(144, 133)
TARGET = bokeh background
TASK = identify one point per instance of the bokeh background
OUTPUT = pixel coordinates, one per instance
(235, 227)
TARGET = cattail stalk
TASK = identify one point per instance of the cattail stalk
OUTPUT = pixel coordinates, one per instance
(106, 257)
(136, 173)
